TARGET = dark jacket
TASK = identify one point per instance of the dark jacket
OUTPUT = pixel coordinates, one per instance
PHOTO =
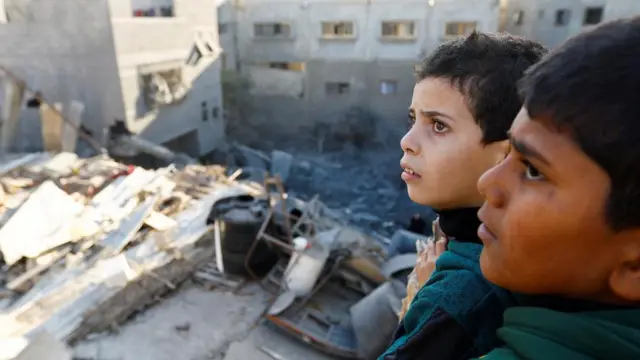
(541, 334)
(455, 315)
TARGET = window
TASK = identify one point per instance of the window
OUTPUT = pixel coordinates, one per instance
(223, 28)
(337, 29)
(540, 14)
(398, 29)
(337, 88)
(162, 88)
(388, 87)
(593, 15)
(459, 28)
(203, 110)
(204, 45)
(272, 30)
(157, 8)
(281, 65)
(518, 17)
(562, 17)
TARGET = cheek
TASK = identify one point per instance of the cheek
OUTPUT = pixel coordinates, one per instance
(544, 246)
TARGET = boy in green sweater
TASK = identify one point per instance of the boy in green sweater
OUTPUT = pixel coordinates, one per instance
(562, 214)
(463, 104)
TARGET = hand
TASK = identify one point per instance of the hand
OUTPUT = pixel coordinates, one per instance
(421, 273)
(426, 263)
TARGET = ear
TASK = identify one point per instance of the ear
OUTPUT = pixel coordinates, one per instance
(500, 150)
(624, 281)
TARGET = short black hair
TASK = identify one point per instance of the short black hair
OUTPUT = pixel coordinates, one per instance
(486, 69)
(589, 88)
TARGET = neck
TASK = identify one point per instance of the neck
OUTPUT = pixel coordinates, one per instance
(460, 224)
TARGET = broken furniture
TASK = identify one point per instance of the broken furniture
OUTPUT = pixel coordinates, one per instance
(239, 220)
(314, 288)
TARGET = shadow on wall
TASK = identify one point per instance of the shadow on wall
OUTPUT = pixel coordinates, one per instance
(186, 116)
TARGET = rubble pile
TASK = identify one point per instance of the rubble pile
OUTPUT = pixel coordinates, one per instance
(87, 242)
(365, 186)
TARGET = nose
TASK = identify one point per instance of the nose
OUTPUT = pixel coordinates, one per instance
(409, 143)
(491, 185)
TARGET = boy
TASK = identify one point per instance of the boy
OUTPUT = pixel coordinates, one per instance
(463, 104)
(562, 212)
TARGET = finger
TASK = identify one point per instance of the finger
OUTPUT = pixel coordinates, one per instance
(440, 247)
(431, 250)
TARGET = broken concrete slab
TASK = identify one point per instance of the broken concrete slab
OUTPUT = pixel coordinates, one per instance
(93, 296)
(10, 162)
(53, 210)
(281, 164)
(252, 158)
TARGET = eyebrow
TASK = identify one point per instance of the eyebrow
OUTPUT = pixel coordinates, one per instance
(526, 150)
(432, 113)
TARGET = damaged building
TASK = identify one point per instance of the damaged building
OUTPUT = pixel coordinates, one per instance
(552, 22)
(153, 64)
(321, 61)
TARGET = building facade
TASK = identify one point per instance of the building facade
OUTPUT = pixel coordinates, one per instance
(553, 21)
(152, 63)
(315, 61)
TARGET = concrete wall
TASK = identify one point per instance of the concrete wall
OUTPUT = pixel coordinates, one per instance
(363, 61)
(168, 41)
(65, 50)
(539, 17)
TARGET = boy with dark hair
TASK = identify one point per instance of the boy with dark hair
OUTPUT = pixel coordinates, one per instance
(562, 212)
(462, 107)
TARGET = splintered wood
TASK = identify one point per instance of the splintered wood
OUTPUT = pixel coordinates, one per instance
(87, 242)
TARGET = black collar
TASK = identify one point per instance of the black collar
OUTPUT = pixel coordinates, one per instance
(460, 224)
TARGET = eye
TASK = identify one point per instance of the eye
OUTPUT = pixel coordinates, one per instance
(411, 120)
(531, 172)
(439, 127)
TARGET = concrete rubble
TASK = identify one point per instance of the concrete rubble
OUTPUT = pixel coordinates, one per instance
(88, 243)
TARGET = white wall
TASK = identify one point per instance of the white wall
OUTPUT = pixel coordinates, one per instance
(148, 41)
(65, 49)
(305, 18)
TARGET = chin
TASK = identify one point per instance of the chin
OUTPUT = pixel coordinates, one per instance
(489, 270)
(418, 196)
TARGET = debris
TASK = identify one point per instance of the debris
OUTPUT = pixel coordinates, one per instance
(183, 327)
(159, 221)
(210, 275)
(375, 319)
(271, 353)
(252, 158)
(53, 210)
(131, 145)
(91, 263)
(281, 164)
(87, 242)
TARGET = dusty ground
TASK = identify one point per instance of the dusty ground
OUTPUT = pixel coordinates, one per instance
(197, 324)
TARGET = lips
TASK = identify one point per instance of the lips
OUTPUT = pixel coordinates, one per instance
(408, 169)
(408, 174)
(484, 231)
